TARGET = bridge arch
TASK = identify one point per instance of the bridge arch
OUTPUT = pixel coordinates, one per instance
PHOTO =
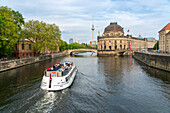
(81, 51)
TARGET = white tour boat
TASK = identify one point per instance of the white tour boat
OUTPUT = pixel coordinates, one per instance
(59, 77)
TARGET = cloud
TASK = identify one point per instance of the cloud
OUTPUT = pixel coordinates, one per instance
(74, 17)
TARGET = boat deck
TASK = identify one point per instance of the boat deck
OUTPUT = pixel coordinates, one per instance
(65, 72)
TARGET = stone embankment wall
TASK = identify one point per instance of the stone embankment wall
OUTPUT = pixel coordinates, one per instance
(114, 52)
(156, 60)
(11, 64)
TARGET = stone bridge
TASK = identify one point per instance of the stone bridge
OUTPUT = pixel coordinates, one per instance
(71, 51)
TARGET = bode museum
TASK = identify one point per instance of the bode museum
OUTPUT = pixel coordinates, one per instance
(113, 41)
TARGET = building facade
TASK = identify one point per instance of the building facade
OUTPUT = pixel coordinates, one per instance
(113, 40)
(150, 43)
(168, 42)
(163, 38)
(23, 49)
(77, 41)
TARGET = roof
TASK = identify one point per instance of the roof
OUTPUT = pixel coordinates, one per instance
(166, 27)
(140, 36)
(150, 38)
(113, 27)
(168, 33)
(67, 62)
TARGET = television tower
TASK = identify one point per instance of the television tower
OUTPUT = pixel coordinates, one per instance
(93, 30)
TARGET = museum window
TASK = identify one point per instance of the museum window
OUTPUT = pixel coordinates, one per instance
(110, 45)
(22, 46)
(121, 47)
(104, 45)
(30, 46)
(124, 46)
(115, 42)
(115, 46)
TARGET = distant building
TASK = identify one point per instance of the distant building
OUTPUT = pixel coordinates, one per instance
(164, 39)
(70, 40)
(93, 43)
(83, 43)
(113, 39)
(150, 44)
(140, 37)
(77, 41)
(23, 49)
(168, 42)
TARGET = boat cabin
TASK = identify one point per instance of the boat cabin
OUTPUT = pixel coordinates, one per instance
(59, 70)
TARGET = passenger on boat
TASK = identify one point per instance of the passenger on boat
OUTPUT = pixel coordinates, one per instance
(54, 66)
(62, 68)
(67, 66)
(49, 69)
(57, 65)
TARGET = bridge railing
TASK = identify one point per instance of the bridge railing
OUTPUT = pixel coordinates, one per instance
(82, 50)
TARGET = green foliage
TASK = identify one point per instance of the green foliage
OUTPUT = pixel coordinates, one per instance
(1, 22)
(63, 45)
(156, 46)
(43, 36)
(78, 46)
(10, 28)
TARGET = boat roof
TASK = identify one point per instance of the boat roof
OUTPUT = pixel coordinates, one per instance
(67, 62)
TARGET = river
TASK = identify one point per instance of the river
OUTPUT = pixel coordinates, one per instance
(102, 84)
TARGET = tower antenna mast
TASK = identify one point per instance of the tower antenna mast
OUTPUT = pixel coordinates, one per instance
(93, 29)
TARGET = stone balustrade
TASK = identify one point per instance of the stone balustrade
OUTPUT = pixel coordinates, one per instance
(156, 60)
(11, 64)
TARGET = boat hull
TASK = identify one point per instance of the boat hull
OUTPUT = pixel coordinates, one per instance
(59, 83)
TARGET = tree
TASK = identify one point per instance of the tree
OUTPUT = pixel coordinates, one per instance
(42, 36)
(78, 46)
(63, 45)
(156, 46)
(10, 30)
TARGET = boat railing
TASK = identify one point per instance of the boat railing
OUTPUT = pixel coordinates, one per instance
(53, 73)
(58, 72)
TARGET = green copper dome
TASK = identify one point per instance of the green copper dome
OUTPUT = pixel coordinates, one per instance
(140, 36)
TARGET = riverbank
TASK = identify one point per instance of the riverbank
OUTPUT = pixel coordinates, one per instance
(159, 61)
(12, 64)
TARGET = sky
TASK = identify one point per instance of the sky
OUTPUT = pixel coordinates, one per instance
(74, 17)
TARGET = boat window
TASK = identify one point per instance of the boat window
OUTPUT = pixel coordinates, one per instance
(45, 73)
(53, 74)
(48, 73)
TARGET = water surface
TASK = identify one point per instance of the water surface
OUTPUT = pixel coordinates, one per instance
(102, 84)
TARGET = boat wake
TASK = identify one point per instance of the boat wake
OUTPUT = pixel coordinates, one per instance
(47, 102)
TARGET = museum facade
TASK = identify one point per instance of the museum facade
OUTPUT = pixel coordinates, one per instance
(114, 40)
